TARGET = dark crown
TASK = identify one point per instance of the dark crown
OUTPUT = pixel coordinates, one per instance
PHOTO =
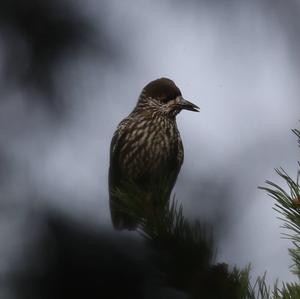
(163, 89)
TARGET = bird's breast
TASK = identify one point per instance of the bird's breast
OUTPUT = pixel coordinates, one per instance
(151, 146)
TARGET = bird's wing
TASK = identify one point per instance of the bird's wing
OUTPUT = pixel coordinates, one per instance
(120, 219)
(175, 163)
(116, 144)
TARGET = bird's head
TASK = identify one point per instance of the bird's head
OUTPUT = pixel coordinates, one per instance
(164, 96)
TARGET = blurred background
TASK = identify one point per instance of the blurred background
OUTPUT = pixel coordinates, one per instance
(71, 70)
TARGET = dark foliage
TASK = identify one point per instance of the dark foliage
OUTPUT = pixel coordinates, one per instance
(75, 261)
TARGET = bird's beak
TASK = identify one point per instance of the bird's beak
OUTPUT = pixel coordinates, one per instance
(184, 104)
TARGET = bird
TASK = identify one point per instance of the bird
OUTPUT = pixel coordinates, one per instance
(146, 152)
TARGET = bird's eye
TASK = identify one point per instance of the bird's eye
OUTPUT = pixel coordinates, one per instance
(165, 99)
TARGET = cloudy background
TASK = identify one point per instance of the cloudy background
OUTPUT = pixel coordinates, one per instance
(70, 71)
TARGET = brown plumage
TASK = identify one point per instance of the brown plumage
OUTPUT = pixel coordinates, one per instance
(146, 149)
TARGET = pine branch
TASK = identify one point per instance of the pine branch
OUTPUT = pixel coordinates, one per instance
(184, 250)
(288, 291)
(288, 206)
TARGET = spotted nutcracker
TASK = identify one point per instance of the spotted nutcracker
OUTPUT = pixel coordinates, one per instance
(146, 150)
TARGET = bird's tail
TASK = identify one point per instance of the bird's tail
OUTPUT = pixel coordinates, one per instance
(120, 219)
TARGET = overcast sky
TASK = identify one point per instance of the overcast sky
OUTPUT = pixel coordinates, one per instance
(237, 62)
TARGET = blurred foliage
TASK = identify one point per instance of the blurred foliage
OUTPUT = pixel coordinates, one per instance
(38, 37)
